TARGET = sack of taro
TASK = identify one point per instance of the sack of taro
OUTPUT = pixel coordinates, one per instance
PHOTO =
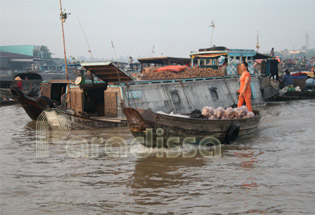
(229, 113)
(207, 111)
(218, 113)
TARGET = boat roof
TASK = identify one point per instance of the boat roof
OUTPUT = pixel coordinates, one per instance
(58, 81)
(107, 71)
(230, 53)
(29, 76)
(262, 56)
(164, 60)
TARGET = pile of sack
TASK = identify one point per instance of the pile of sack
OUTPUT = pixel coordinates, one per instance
(229, 113)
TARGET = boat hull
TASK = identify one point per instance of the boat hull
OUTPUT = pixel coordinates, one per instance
(150, 126)
(31, 107)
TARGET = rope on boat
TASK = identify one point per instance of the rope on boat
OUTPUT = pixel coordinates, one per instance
(228, 90)
(88, 44)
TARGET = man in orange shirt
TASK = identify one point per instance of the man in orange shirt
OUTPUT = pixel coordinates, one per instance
(245, 91)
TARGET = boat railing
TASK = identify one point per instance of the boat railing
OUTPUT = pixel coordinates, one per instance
(159, 81)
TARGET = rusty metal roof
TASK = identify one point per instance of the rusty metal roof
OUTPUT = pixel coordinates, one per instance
(262, 56)
(165, 60)
(107, 71)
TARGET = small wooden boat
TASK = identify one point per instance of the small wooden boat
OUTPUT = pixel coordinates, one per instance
(32, 106)
(8, 102)
(295, 95)
(143, 123)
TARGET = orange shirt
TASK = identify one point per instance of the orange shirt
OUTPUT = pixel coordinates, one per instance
(242, 80)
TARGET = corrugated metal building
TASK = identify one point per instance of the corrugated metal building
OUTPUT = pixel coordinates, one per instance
(19, 57)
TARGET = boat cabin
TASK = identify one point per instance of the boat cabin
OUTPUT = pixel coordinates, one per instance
(216, 57)
(54, 89)
(99, 99)
(162, 61)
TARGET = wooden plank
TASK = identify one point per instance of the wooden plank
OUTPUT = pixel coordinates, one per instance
(106, 73)
(72, 96)
(78, 102)
(106, 119)
(52, 118)
(110, 101)
(45, 89)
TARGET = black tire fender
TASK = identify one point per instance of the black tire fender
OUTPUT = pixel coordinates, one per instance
(16, 92)
(232, 134)
(44, 102)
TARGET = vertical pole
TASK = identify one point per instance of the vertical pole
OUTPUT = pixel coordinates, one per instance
(212, 26)
(65, 56)
(211, 37)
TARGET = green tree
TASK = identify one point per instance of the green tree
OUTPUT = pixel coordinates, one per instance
(44, 52)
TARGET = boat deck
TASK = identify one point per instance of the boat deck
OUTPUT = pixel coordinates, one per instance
(98, 122)
(108, 119)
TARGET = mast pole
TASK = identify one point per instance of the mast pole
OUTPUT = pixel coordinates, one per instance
(63, 19)
(212, 26)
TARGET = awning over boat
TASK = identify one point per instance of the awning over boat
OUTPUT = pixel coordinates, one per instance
(107, 71)
(28, 76)
(214, 55)
(165, 60)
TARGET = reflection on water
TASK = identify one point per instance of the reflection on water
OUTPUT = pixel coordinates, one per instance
(270, 172)
(154, 172)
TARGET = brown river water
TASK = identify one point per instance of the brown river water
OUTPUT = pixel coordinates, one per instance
(271, 172)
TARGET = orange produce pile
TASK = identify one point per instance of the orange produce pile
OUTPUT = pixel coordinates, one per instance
(151, 73)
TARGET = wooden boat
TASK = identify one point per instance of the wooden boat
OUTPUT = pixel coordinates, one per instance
(141, 122)
(295, 95)
(8, 102)
(32, 106)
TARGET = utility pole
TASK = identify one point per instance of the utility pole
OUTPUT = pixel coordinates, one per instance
(213, 27)
(153, 51)
(294, 53)
(114, 51)
(307, 42)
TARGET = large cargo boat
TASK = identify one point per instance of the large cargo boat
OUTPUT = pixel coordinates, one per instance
(103, 101)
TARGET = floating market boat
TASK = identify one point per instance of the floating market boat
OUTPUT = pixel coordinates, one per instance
(295, 95)
(33, 106)
(150, 125)
(103, 101)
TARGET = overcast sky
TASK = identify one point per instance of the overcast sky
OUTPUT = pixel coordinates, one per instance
(173, 27)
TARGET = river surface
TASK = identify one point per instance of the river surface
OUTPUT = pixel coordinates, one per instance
(271, 172)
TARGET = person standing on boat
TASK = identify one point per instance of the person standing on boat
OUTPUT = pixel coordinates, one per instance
(287, 79)
(130, 61)
(18, 80)
(245, 92)
(309, 83)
